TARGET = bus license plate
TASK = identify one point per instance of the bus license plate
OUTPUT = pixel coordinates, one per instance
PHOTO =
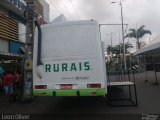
(66, 86)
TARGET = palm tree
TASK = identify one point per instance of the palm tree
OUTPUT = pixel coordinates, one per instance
(116, 52)
(139, 33)
(110, 50)
(118, 49)
(127, 46)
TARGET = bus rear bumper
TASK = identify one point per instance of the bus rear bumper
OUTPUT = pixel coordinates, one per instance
(84, 92)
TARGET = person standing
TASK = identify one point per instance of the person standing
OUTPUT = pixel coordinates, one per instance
(1, 84)
(1, 78)
(16, 87)
(8, 82)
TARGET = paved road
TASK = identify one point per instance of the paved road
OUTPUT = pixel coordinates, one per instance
(148, 102)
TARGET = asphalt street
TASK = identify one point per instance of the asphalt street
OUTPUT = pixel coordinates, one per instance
(148, 103)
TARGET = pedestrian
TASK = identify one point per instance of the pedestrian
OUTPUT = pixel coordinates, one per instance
(1, 78)
(16, 86)
(8, 82)
(1, 84)
(17, 79)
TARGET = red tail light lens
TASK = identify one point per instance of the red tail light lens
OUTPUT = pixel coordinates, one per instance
(93, 85)
(40, 86)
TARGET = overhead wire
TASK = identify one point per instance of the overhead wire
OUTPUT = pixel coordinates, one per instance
(52, 5)
(75, 10)
(67, 10)
(54, 8)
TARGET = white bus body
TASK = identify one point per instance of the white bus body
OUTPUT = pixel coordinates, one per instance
(72, 60)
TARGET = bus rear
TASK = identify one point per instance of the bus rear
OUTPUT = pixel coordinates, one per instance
(72, 60)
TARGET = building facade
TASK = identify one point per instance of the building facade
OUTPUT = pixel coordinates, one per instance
(13, 29)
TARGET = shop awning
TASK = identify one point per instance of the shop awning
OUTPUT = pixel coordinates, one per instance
(10, 56)
(152, 48)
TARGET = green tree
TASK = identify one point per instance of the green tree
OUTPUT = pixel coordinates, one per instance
(115, 53)
(110, 50)
(127, 46)
(139, 33)
(118, 49)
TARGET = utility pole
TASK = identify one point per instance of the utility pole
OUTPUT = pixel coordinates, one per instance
(110, 35)
(111, 39)
(124, 54)
(27, 82)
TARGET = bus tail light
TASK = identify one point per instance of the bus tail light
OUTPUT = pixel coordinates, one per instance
(40, 86)
(94, 85)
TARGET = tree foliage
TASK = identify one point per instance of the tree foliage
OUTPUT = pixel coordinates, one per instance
(139, 33)
(118, 49)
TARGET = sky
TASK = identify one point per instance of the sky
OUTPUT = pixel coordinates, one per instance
(135, 14)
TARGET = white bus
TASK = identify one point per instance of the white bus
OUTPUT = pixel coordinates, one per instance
(68, 60)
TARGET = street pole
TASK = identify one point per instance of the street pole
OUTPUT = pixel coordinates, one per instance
(110, 35)
(124, 57)
(28, 58)
(111, 39)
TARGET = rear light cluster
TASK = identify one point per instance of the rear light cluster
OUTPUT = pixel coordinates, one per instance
(94, 85)
(40, 86)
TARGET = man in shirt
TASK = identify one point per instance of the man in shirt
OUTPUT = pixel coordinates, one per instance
(8, 83)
